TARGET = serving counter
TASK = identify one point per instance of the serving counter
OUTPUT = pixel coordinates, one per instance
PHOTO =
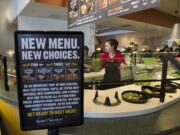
(129, 72)
(146, 120)
(125, 109)
(163, 122)
(151, 118)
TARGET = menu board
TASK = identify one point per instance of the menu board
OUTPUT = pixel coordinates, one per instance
(84, 11)
(50, 78)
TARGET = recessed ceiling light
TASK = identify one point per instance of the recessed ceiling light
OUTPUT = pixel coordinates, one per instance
(10, 52)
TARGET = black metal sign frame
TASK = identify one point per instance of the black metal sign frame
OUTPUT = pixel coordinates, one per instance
(68, 118)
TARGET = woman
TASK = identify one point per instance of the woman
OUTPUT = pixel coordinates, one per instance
(111, 61)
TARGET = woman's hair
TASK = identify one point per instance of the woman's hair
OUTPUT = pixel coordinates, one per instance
(113, 42)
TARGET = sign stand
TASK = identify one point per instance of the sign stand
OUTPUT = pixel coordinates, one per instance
(53, 131)
(49, 79)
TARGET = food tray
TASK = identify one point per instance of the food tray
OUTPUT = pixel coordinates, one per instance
(133, 96)
(151, 92)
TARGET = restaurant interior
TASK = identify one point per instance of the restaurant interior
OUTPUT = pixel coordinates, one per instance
(144, 39)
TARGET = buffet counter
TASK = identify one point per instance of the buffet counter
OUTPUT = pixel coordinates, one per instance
(162, 122)
(127, 72)
(150, 118)
(124, 109)
(146, 120)
(95, 76)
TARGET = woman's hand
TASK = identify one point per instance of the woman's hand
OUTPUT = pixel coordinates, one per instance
(87, 66)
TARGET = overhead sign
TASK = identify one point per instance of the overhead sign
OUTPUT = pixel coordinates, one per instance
(85, 11)
(50, 78)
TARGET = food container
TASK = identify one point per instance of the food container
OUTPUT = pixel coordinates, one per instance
(169, 88)
(136, 97)
(151, 92)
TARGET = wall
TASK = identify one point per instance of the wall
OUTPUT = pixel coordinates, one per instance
(138, 38)
(37, 23)
(124, 40)
(8, 24)
(14, 8)
(6, 29)
(21, 4)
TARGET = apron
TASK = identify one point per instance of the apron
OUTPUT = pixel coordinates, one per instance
(112, 74)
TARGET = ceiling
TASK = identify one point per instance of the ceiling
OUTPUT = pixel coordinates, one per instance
(54, 12)
(166, 6)
(44, 11)
(143, 29)
(169, 7)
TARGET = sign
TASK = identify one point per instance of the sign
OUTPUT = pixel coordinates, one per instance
(50, 78)
(85, 11)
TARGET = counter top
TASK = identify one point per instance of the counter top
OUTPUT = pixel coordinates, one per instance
(125, 109)
(94, 74)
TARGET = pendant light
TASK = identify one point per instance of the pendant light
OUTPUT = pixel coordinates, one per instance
(175, 34)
